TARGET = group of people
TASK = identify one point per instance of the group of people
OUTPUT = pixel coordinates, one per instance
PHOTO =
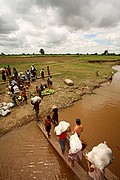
(6, 71)
(93, 172)
(62, 137)
(13, 85)
(49, 79)
(15, 79)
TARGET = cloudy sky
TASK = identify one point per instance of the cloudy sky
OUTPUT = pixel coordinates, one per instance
(59, 26)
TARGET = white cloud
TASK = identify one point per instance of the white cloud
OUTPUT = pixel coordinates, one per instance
(79, 26)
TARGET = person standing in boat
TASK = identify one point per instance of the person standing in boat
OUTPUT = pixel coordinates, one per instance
(72, 157)
(47, 125)
(78, 127)
(55, 115)
(62, 141)
(93, 172)
(61, 131)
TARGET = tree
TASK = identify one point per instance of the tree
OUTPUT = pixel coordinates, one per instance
(105, 52)
(2, 54)
(42, 51)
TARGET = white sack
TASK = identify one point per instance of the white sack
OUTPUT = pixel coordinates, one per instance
(69, 82)
(16, 88)
(100, 156)
(75, 143)
(4, 113)
(10, 105)
(4, 103)
(1, 69)
(4, 108)
(62, 127)
(35, 99)
(9, 87)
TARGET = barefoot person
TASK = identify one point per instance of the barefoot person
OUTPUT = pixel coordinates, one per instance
(24, 95)
(55, 115)
(62, 141)
(47, 125)
(94, 172)
(36, 102)
(72, 157)
(61, 131)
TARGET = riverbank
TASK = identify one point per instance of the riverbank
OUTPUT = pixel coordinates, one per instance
(63, 97)
(82, 73)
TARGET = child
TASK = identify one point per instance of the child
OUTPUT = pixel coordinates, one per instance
(36, 89)
(24, 95)
(55, 115)
(47, 125)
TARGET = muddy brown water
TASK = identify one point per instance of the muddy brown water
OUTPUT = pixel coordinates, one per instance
(100, 116)
(26, 154)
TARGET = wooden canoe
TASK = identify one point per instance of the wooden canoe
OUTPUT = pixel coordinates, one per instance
(80, 172)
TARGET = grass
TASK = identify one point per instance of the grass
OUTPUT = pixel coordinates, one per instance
(74, 67)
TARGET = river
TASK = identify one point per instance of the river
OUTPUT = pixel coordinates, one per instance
(26, 154)
(100, 117)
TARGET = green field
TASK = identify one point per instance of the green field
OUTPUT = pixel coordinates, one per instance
(80, 68)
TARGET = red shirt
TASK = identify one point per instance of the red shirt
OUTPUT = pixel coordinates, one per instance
(63, 135)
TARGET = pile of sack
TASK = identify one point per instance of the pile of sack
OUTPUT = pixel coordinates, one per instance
(5, 108)
(35, 99)
(16, 89)
(75, 143)
(101, 156)
(62, 127)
